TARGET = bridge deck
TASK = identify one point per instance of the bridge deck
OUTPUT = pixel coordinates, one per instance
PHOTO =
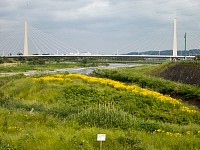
(133, 56)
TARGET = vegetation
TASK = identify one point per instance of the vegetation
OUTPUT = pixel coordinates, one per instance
(142, 76)
(67, 111)
(26, 67)
(197, 58)
(22, 64)
(41, 64)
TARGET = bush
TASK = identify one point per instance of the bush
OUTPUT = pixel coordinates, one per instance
(105, 118)
(130, 142)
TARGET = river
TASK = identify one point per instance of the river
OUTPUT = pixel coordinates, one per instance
(88, 70)
(85, 70)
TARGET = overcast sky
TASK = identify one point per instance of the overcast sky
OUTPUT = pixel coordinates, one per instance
(99, 25)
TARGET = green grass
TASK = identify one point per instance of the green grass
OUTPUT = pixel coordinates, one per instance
(142, 76)
(46, 64)
(26, 67)
(69, 115)
(38, 131)
(78, 94)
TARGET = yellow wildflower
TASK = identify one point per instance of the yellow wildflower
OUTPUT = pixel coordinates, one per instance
(132, 88)
(188, 132)
(119, 86)
(177, 135)
(169, 133)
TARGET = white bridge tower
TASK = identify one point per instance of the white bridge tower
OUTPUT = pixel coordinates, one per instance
(25, 39)
(175, 40)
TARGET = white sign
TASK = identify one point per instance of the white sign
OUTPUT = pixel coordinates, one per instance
(101, 137)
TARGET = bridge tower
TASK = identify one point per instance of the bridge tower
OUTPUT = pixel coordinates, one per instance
(26, 39)
(175, 40)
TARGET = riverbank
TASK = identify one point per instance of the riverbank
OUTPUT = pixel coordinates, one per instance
(80, 70)
(67, 111)
(141, 76)
(182, 72)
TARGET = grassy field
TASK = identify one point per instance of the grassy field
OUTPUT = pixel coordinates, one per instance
(26, 67)
(67, 111)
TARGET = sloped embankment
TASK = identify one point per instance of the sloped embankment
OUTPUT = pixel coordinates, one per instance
(188, 73)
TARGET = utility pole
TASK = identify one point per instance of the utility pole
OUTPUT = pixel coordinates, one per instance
(185, 44)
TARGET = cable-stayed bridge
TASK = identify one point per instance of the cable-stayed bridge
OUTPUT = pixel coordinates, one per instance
(170, 41)
(32, 41)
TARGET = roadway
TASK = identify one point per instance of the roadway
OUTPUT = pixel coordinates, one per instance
(100, 56)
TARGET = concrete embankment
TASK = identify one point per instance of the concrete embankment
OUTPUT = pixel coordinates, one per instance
(188, 73)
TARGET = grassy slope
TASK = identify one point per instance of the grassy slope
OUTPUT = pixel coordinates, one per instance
(142, 77)
(67, 115)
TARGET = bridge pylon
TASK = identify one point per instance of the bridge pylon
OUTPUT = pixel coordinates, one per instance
(175, 40)
(25, 38)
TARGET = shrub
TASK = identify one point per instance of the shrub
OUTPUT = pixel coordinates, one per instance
(129, 142)
(104, 117)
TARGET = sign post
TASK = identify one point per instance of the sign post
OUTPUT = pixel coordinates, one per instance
(101, 138)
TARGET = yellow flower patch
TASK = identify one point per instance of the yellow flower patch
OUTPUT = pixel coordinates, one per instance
(119, 86)
(134, 89)
(56, 77)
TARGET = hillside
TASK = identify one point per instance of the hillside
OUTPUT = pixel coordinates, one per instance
(191, 52)
(67, 111)
(147, 76)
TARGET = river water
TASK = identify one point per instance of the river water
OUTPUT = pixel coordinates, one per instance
(89, 70)
(86, 70)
